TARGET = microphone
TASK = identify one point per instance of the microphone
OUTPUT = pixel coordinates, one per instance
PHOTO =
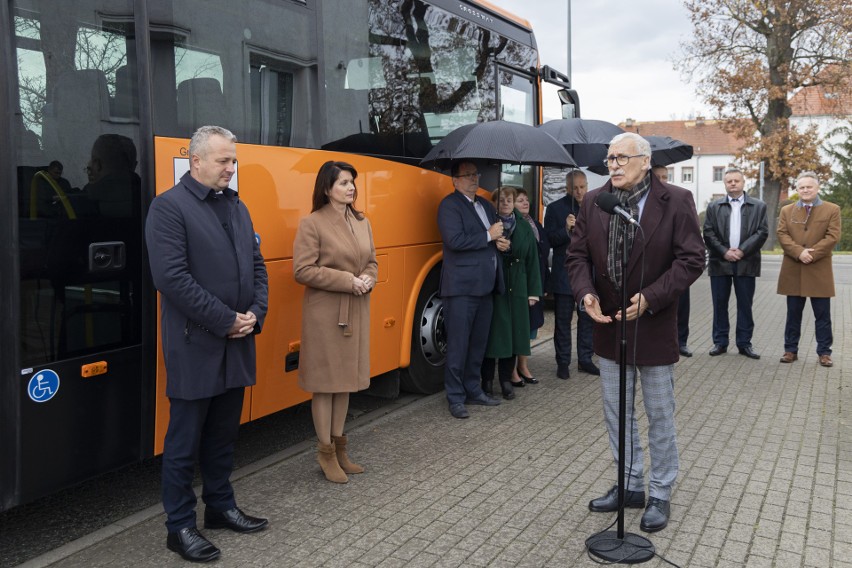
(610, 203)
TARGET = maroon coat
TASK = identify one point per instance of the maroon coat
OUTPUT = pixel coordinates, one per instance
(673, 259)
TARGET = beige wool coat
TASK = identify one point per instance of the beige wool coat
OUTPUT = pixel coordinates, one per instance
(335, 346)
(821, 233)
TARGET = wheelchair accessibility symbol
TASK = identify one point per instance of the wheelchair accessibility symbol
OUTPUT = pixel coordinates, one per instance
(43, 386)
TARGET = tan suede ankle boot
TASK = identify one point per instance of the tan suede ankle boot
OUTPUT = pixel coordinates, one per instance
(346, 464)
(328, 462)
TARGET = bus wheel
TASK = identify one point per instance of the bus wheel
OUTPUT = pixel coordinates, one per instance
(428, 341)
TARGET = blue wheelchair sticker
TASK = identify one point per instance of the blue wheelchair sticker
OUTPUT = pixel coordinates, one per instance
(43, 386)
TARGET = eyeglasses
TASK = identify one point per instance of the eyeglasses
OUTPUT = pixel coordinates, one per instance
(620, 160)
(474, 175)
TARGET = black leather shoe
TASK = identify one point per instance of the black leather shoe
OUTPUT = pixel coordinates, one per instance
(749, 352)
(589, 367)
(483, 400)
(609, 502)
(718, 350)
(234, 520)
(459, 411)
(684, 350)
(519, 385)
(508, 391)
(528, 380)
(656, 515)
(562, 372)
(192, 545)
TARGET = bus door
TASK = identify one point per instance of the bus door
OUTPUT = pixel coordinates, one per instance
(80, 204)
(517, 102)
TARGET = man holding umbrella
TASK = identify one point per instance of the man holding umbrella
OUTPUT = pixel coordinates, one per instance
(559, 222)
(470, 273)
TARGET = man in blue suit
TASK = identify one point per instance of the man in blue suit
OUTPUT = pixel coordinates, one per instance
(206, 263)
(559, 223)
(471, 272)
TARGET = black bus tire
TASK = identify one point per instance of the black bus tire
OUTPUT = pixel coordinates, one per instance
(425, 374)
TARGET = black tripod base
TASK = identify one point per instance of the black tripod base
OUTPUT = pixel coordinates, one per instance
(632, 549)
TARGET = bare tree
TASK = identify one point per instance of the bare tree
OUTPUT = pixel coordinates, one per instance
(750, 57)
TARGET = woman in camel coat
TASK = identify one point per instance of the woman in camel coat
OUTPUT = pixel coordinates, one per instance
(334, 257)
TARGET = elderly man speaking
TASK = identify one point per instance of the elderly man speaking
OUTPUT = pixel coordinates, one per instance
(665, 257)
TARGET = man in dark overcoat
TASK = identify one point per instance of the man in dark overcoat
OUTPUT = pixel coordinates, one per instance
(665, 257)
(471, 273)
(559, 221)
(206, 263)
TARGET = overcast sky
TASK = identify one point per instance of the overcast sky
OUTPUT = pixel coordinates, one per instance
(622, 55)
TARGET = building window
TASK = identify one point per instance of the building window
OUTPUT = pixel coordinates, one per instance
(671, 172)
(686, 175)
(718, 173)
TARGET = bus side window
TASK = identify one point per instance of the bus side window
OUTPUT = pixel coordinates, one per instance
(78, 110)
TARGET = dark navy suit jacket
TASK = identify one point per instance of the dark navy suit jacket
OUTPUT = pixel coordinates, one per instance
(560, 238)
(471, 264)
(204, 279)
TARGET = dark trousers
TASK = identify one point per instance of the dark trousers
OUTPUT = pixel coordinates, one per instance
(564, 308)
(467, 321)
(202, 431)
(505, 367)
(720, 289)
(822, 324)
(683, 319)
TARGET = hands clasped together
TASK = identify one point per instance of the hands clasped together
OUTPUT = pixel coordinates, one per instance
(243, 325)
(362, 284)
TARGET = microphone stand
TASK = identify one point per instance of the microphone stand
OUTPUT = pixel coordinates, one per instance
(620, 547)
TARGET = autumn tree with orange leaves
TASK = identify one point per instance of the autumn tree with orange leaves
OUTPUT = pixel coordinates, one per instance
(750, 57)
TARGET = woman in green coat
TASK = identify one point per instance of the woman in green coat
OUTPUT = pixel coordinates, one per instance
(509, 335)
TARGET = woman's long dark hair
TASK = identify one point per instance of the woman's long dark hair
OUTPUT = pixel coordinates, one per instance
(327, 175)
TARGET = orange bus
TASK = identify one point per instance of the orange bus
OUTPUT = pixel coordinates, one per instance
(102, 96)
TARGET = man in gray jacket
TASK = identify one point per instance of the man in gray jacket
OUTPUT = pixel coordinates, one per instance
(735, 228)
(206, 264)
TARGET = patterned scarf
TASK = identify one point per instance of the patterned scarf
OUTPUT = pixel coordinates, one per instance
(529, 220)
(619, 230)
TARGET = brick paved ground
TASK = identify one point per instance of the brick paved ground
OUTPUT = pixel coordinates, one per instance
(766, 473)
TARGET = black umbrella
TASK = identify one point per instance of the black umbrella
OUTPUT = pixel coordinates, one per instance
(666, 150)
(585, 139)
(498, 141)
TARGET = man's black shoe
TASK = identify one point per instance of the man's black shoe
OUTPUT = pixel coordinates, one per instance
(562, 372)
(589, 367)
(192, 545)
(656, 515)
(459, 411)
(234, 520)
(684, 350)
(718, 350)
(609, 502)
(483, 400)
(749, 352)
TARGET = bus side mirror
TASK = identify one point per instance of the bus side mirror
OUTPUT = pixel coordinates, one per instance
(570, 103)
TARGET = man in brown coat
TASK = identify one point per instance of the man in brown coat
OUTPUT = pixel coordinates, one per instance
(807, 231)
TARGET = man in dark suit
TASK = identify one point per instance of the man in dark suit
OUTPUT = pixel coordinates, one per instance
(662, 172)
(471, 272)
(665, 257)
(735, 229)
(559, 221)
(206, 263)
